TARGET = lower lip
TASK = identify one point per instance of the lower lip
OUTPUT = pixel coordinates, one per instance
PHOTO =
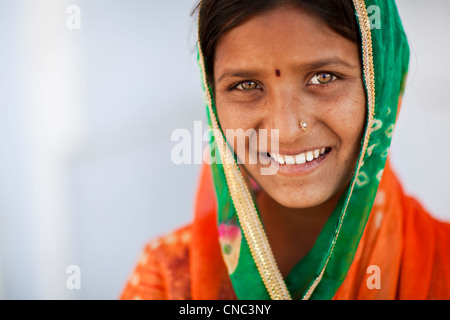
(300, 169)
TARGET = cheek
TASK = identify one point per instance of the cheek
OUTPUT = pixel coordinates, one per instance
(233, 116)
(356, 116)
(239, 128)
(346, 115)
(351, 137)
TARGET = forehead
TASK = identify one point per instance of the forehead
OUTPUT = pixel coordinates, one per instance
(286, 35)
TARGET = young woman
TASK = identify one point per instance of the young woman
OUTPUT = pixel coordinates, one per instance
(331, 221)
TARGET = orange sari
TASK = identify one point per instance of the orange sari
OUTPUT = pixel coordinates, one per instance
(404, 253)
(400, 253)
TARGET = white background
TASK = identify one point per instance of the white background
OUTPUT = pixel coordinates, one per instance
(86, 118)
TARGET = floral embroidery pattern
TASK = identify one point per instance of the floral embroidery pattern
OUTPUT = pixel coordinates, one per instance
(230, 237)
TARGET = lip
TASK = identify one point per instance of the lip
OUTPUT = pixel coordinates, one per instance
(299, 151)
(299, 169)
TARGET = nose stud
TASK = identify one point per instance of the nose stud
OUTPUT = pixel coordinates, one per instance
(303, 126)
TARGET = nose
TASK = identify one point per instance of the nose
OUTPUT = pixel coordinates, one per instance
(288, 112)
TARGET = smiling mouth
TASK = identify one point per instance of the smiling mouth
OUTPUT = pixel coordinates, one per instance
(301, 158)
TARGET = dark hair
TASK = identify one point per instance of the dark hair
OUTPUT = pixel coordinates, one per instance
(216, 17)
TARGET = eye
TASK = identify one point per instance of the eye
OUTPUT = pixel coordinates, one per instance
(323, 78)
(247, 85)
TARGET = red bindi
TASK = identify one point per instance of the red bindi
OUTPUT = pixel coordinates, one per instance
(278, 72)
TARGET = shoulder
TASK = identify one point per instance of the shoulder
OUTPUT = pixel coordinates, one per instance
(162, 271)
(426, 252)
(440, 280)
(420, 220)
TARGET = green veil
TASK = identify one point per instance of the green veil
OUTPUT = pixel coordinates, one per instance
(245, 248)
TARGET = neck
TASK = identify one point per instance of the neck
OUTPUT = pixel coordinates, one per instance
(292, 232)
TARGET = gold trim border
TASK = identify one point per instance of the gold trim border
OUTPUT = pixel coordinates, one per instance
(245, 208)
(369, 76)
(246, 211)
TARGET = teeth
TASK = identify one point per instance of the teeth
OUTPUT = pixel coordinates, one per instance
(289, 159)
(298, 159)
(316, 153)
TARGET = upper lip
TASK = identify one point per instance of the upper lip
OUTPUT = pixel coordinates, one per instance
(296, 152)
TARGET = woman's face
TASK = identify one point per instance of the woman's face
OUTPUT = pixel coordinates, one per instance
(279, 70)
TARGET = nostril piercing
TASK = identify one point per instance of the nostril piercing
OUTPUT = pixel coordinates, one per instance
(303, 126)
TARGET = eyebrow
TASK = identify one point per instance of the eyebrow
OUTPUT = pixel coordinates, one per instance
(238, 73)
(331, 61)
(309, 66)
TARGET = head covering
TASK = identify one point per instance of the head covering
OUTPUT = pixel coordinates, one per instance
(245, 249)
(378, 243)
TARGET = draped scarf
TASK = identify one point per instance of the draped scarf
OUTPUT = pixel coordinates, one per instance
(365, 234)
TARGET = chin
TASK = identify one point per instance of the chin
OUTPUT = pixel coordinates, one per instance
(299, 202)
